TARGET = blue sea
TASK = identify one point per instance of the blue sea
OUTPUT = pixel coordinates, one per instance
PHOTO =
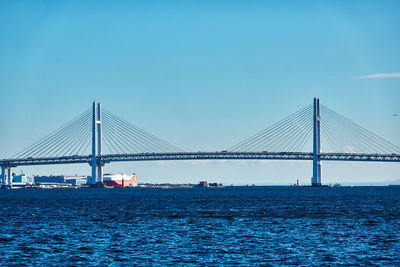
(250, 226)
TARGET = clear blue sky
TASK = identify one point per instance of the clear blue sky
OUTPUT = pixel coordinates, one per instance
(201, 74)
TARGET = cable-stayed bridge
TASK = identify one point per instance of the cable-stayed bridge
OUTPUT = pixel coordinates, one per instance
(99, 137)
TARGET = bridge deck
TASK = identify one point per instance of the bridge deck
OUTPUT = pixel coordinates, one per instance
(201, 156)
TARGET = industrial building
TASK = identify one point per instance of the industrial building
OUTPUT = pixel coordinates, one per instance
(22, 179)
(203, 184)
(61, 179)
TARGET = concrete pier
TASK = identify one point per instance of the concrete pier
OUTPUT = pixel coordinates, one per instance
(9, 176)
(3, 176)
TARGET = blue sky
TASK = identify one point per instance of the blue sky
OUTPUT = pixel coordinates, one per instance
(201, 74)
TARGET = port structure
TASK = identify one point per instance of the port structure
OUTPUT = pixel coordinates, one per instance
(284, 140)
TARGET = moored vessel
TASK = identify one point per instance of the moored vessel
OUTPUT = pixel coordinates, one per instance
(120, 180)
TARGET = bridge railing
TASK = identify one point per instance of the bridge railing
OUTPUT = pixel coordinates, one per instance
(108, 158)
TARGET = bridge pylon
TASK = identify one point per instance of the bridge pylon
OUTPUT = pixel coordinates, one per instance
(97, 167)
(99, 144)
(93, 178)
(316, 178)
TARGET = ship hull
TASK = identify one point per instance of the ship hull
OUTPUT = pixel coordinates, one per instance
(120, 180)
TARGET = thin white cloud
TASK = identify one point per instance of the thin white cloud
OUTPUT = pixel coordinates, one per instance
(381, 75)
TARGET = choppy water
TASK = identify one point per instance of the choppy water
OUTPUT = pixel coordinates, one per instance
(209, 226)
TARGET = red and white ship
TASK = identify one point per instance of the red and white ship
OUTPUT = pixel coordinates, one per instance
(120, 180)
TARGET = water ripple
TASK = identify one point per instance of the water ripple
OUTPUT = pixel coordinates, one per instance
(235, 225)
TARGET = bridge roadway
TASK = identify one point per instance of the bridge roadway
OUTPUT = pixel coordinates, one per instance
(223, 155)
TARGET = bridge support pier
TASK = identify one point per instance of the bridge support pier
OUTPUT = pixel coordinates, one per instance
(3, 176)
(316, 179)
(100, 173)
(9, 177)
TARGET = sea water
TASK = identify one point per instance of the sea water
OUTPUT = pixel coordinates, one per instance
(201, 226)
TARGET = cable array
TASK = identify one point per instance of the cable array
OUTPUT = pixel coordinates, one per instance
(292, 134)
(73, 138)
(341, 135)
(288, 135)
(122, 137)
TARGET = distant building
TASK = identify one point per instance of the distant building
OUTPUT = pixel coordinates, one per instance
(49, 179)
(22, 178)
(61, 179)
(203, 184)
(76, 180)
(215, 185)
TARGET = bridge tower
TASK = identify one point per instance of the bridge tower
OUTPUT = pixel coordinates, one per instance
(99, 143)
(97, 167)
(93, 179)
(316, 179)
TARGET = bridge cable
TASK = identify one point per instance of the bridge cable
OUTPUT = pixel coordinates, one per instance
(258, 138)
(145, 138)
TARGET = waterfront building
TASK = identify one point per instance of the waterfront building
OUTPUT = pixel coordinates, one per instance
(61, 179)
(22, 178)
(203, 184)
